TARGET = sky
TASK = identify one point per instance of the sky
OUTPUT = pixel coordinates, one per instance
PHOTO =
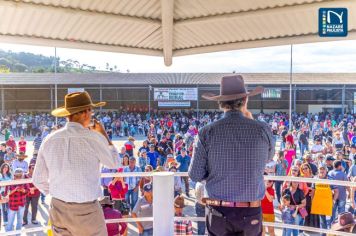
(328, 57)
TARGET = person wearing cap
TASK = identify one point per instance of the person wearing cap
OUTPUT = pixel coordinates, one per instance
(68, 168)
(228, 145)
(184, 161)
(143, 160)
(181, 227)
(323, 197)
(32, 199)
(329, 160)
(10, 156)
(143, 208)
(113, 229)
(339, 203)
(132, 182)
(20, 162)
(17, 199)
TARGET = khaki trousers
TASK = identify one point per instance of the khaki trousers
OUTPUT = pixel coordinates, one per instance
(77, 219)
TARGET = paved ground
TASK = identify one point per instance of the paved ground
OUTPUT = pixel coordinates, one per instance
(188, 211)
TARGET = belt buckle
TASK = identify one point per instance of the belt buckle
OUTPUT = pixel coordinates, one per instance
(227, 204)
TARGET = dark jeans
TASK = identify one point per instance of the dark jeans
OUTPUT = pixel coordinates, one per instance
(34, 207)
(185, 179)
(5, 209)
(233, 221)
(278, 185)
(200, 211)
(106, 192)
(131, 198)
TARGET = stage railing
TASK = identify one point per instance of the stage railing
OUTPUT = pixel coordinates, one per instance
(163, 210)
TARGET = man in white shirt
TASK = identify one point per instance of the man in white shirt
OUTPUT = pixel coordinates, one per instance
(68, 168)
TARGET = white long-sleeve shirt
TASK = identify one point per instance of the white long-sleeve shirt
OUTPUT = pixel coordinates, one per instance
(68, 163)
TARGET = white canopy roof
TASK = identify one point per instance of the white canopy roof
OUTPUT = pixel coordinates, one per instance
(165, 27)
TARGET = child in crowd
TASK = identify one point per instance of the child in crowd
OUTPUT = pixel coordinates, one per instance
(288, 214)
(173, 166)
(181, 227)
(22, 144)
(267, 207)
(17, 200)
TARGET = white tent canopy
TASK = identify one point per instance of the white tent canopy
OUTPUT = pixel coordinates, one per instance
(165, 27)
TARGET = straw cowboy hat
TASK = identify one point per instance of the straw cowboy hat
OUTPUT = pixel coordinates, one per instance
(231, 88)
(74, 103)
(21, 154)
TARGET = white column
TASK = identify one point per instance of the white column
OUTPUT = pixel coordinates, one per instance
(163, 200)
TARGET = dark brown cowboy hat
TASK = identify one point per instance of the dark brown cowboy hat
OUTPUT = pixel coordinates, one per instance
(74, 103)
(231, 88)
(345, 220)
(106, 201)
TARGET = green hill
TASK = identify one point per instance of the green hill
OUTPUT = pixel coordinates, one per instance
(32, 63)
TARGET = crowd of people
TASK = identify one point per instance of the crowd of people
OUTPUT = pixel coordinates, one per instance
(319, 146)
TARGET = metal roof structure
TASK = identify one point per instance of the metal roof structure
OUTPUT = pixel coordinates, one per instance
(166, 27)
(174, 78)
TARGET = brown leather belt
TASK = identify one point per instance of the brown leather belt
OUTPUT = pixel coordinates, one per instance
(214, 202)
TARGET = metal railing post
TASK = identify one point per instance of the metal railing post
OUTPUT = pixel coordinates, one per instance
(163, 200)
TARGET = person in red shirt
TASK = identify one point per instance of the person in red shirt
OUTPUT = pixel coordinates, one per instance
(11, 143)
(22, 144)
(32, 198)
(114, 229)
(118, 189)
(267, 207)
(17, 199)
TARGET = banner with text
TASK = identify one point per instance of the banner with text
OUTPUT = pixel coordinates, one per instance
(174, 104)
(175, 94)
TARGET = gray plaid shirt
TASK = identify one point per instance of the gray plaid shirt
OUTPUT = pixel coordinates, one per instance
(231, 154)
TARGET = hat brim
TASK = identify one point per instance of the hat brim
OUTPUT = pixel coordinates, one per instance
(20, 155)
(63, 112)
(214, 97)
(337, 227)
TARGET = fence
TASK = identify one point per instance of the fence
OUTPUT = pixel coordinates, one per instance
(163, 199)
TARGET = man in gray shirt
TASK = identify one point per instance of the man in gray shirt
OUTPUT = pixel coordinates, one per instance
(231, 154)
(143, 208)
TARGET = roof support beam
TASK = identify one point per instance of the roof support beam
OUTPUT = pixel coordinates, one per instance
(167, 7)
(300, 39)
